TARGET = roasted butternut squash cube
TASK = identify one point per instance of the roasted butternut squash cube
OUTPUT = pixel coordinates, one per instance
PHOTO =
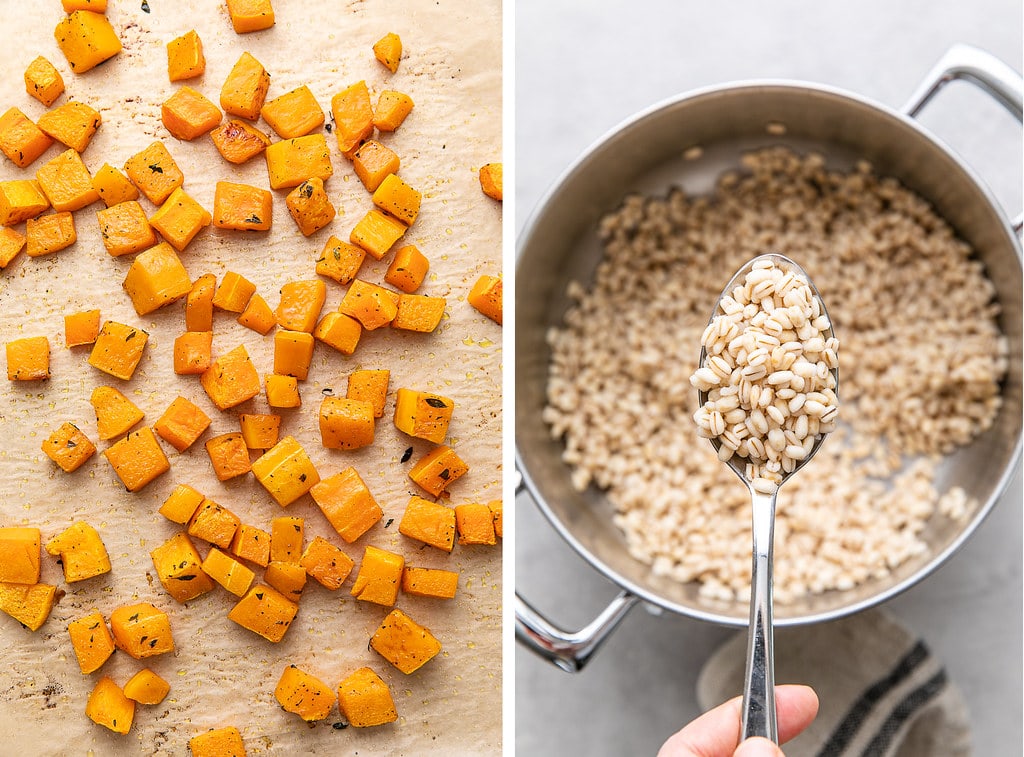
(125, 229)
(29, 604)
(146, 687)
(181, 504)
(232, 379)
(43, 81)
(376, 232)
(438, 469)
(21, 199)
(365, 700)
(259, 430)
(118, 349)
(258, 316)
(109, 707)
(293, 161)
(345, 423)
(429, 522)
(388, 50)
(228, 572)
(475, 524)
(485, 296)
(214, 524)
(286, 534)
(19, 554)
(310, 207)
(392, 109)
(113, 186)
(423, 415)
(430, 582)
(156, 278)
(86, 39)
(408, 269)
(115, 413)
(252, 544)
(154, 173)
(49, 233)
(185, 58)
(286, 471)
(11, 243)
(491, 180)
(68, 447)
(66, 182)
(265, 611)
(353, 117)
(293, 114)
(293, 353)
(72, 124)
(28, 359)
(398, 199)
(497, 514)
(404, 643)
(20, 139)
(193, 352)
(199, 303)
(219, 742)
(300, 304)
(99, 6)
(287, 577)
(182, 424)
(228, 455)
(180, 218)
(92, 641)
(340, 260)
(81, 552)
(233, 293)
(373, 161)
(178, 566)
(370, 386)
(250, 15)
(188, 114)
(418, 312)
(137, 459)
(379, 575)
(245, 89)
(283, 391)
(326, 563)
(238, 142)
(373, 306)
(141, 630)
(242, 207)
(347, 503)
(304, 694)
(340, 331)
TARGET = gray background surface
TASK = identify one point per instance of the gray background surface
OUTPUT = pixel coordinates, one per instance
(581, 69)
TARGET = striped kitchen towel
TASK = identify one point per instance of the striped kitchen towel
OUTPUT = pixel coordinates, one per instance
(882, 692)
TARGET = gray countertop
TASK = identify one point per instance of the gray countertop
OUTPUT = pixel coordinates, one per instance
(582, 68)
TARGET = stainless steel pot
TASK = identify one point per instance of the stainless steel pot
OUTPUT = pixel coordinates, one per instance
(646, 155)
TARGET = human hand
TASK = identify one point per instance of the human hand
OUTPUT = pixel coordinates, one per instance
(716, 733)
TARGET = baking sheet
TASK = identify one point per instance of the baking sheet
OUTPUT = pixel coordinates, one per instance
(220, 673)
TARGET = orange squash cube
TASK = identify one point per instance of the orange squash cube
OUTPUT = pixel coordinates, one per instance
(376, 232)
(20, 199)
(228, 572)
(373, 306)
(181, 504)
(392, 109)
(99, 6)
(300, 304)
(326, 564)
(497, 513)
(115, 413)
(118, 349)
(340, 261)
(156, 278)
(293, 114)
(293, 161)
(245, 89)
(137, 459)
(182, 424)
(370, 386)
(68, 447)
(286, 471)
(365, 700)
(113, 186)
(430, 582)
(72, 124)
(233, 293)
(485, 296)
(43, 81)
(353, 117)
(180, 218)
(282, 391)
(238, 142)
(141, 630)
(347, 503)
(475, 524)
(92, 641)
(258, 316)
(408, 269)
(310, 207)
(491, 180)
(250, 15)
(242, 207)
(20, 139)
(379, 575)
(288, 578)
(231, 379)
(28, 359)
(388, 50)
(252, 544)
(429, 522)
(339, 331)
(404, 643)
(259, 431)
(188, 114)
(438, 469)
(125, 229)
(50, 233)
(265, 611)
(218, 742)
(11, 243)
(19, 555)
(66, 182)
(108, 706)
(228, 455)
(86, 39)
(199, 303)
(345, 423)
(423, 415)
(193, 352)
(304, 694)
(154, 173)
(146, 687)
(398, 199)
(293, 352)
(185, 59)
(177, 565)
(418, 312)
(286, 535)
(373, 161)
(29, 604)
(213, 523)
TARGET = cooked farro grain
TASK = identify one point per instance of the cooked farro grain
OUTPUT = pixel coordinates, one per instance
(921, 365)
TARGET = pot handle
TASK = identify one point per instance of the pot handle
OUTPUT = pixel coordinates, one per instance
(980, 69)
(568, 650)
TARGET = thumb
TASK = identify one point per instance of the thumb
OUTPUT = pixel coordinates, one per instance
(758, 747)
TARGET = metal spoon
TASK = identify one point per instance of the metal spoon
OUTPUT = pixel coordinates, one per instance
(758, 715)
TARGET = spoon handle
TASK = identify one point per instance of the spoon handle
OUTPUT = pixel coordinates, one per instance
(759, 689)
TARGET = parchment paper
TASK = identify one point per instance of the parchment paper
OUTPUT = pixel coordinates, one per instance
(220, 673)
